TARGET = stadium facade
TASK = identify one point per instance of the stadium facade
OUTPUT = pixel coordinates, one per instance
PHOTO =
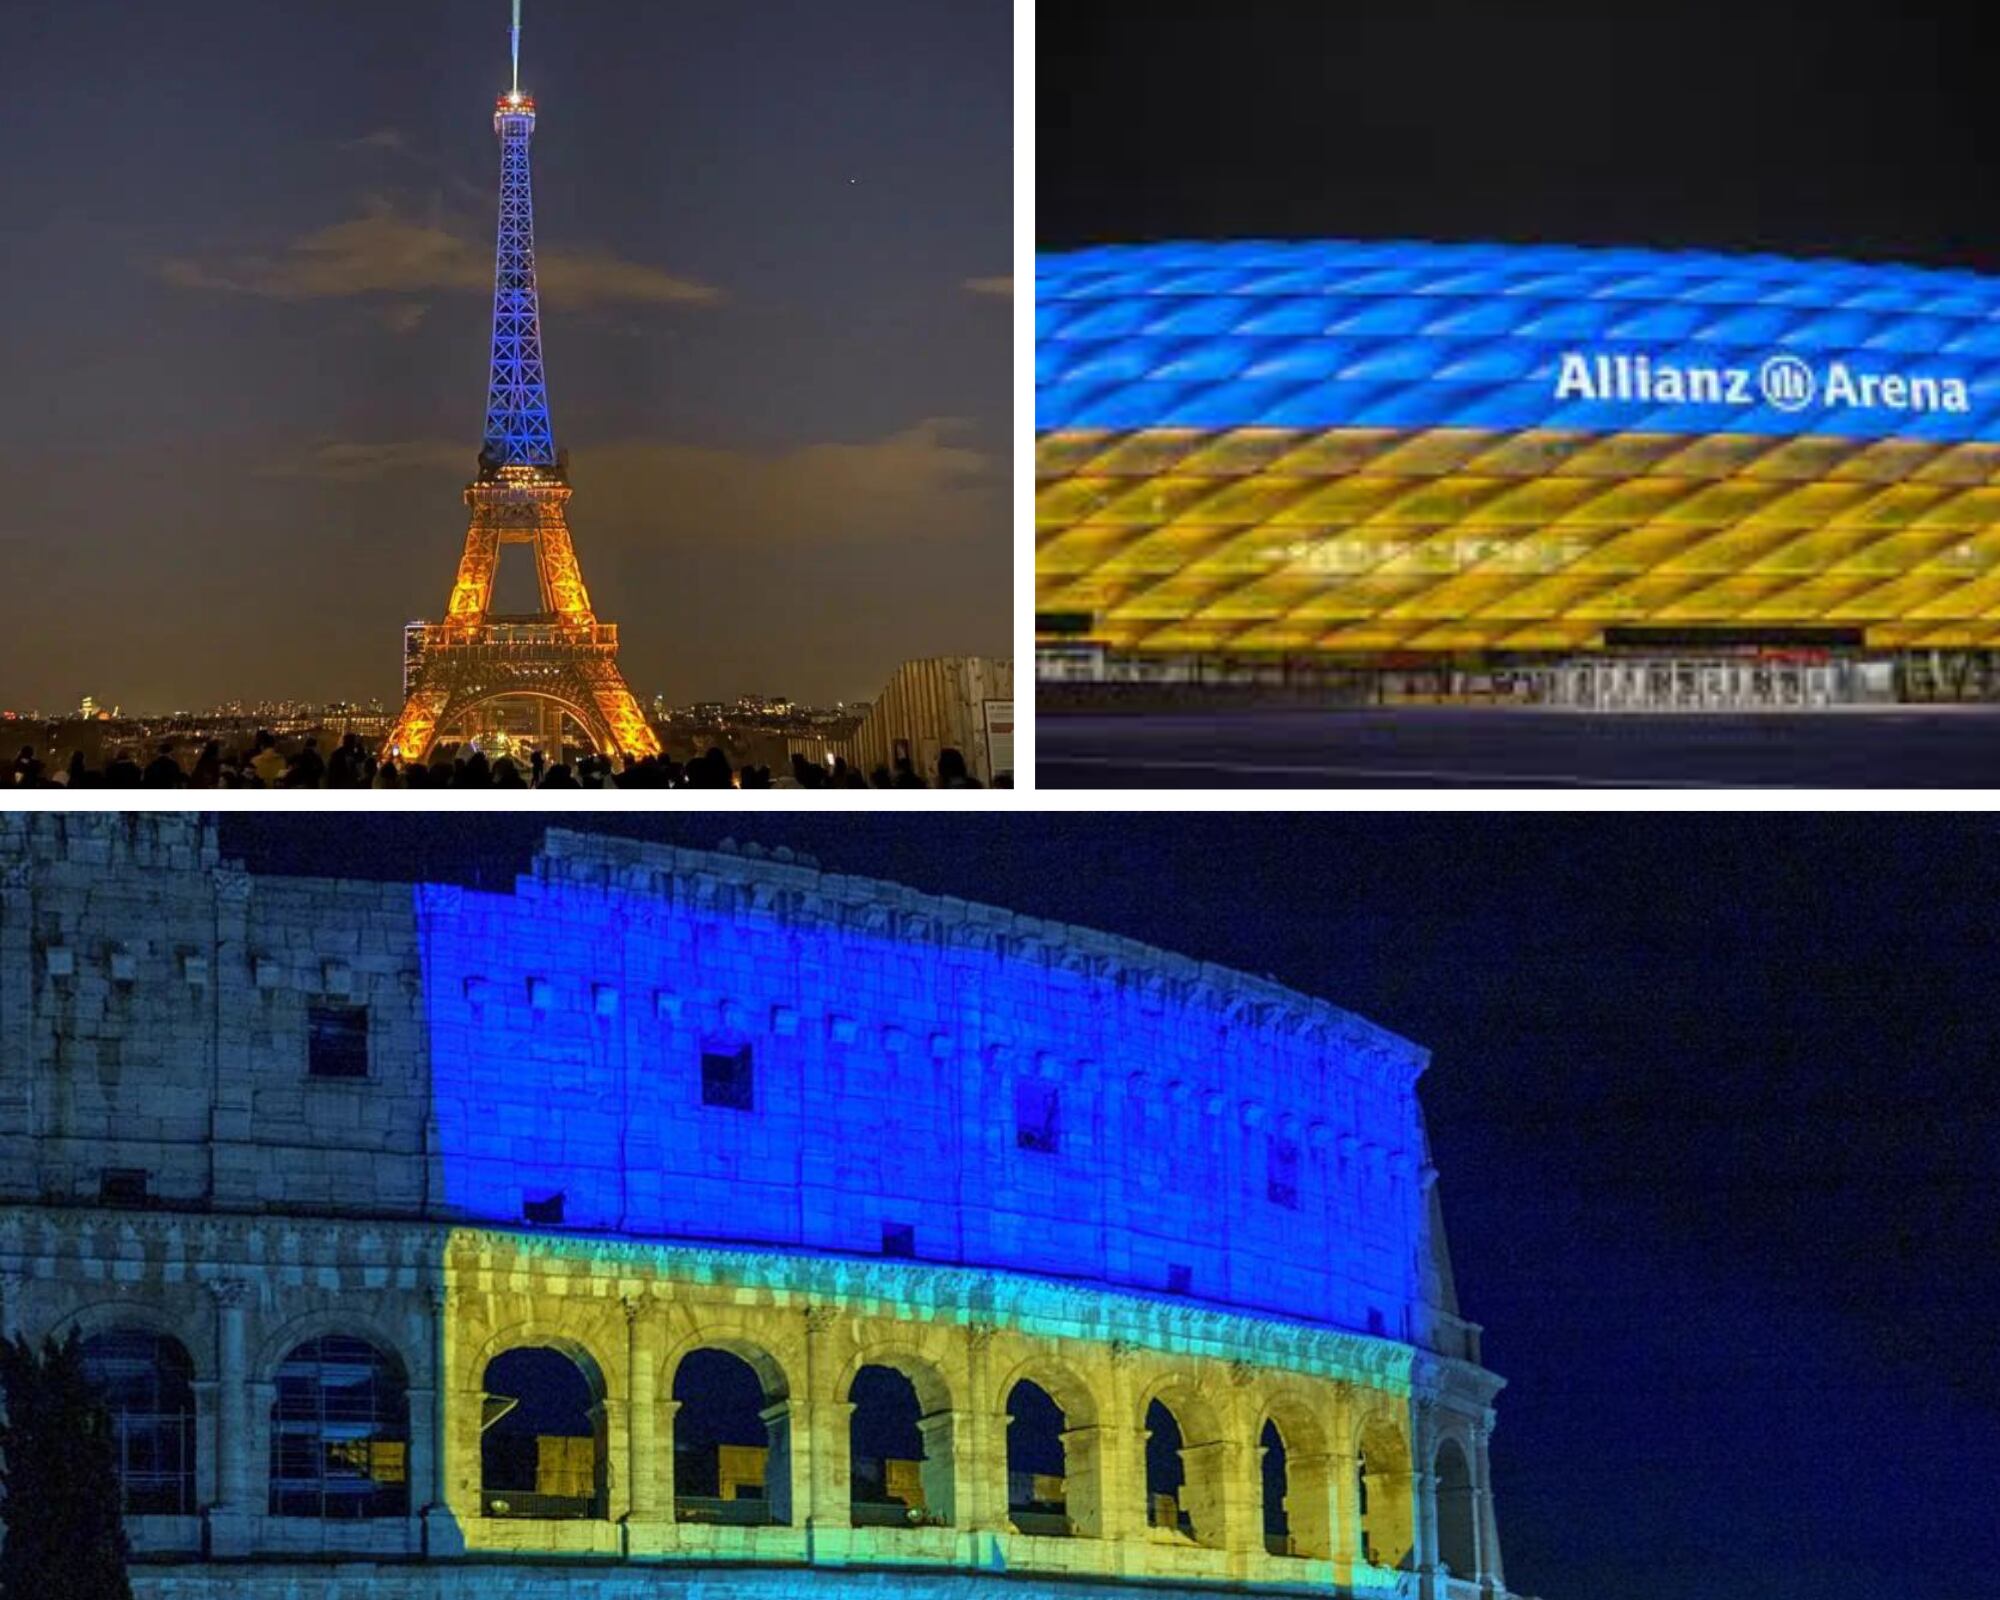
(1598, 476)
(1001, 1249)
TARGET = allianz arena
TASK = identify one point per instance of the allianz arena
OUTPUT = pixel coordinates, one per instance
(707, 1223)
(1606, 476)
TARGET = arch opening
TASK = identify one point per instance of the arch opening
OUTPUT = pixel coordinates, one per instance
(340, 1432)
(516, 720)
(1277, 1492)
(899, 1457)
(1166, 1472)
(1458, 1545)
(1037, 1462)
(732, 1442)
(1383, 1491)
(542, 1446)
(146, 1380)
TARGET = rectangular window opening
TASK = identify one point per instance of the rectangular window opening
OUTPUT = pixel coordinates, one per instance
(1038, 1116)
(1180, 1279)
(1282, 1184)
(727, 1079)
(337, 1041)
(899, 1239)
(548, 1210)
(124, 1186)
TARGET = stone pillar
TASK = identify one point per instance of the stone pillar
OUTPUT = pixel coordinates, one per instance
(1491, 1575)
(20, 1083)
(443, 1536)
(1344, 1512)
(1423, 1509)
(642, 1361)
(943, 1433)
(979, 1490)
(818, 1430)
(1212, 1493)
(229, 1517)
(1312, 1501)
(232, 1173)
(1120, 1453)
(13, 1303)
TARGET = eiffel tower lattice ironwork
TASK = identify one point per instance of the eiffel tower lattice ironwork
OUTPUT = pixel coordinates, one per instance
(562, 656)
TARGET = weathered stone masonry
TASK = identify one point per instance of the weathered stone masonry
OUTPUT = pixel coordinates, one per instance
(1226, 1205)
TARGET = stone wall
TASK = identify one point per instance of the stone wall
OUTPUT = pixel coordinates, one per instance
(927, 1075)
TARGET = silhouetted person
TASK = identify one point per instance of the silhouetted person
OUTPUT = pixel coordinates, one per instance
(952, 771)
(506, 775)
(78, 772)
(906, 775)
(123, 773)
(207, 772)
(163, 771)
(559, 778)
(307, 769)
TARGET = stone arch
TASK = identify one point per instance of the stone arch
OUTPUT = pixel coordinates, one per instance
(927, 1495)
(193, 1334)
(1187, 1460)
(340, 1430)
(587, 718)
(1385, 1488)
(1063, 1494)
(547, 1456)
(145, 1377)
(1305, 1481)
(278, 1342)
(1458, 1543)
(751, 1483)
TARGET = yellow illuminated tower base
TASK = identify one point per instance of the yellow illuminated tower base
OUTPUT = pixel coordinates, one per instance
(561, 657)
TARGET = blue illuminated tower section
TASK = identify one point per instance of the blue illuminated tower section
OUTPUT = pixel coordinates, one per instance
(484, 677)
(518, 433)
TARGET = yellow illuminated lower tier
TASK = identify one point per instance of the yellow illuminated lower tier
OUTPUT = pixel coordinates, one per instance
(1369, 540)
(629, 1316)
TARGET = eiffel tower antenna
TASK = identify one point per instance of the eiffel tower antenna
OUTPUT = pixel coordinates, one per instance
(472, 670)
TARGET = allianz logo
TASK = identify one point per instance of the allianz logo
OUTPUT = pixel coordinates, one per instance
(1782, 381)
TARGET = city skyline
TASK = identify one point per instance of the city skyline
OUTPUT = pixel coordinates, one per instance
(774, 254)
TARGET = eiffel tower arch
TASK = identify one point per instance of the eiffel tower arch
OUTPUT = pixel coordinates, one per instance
(560, 659)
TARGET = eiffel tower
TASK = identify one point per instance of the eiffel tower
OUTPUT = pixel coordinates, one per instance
(562, 659)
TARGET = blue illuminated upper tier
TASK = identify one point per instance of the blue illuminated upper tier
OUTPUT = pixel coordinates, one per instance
(1412, 335)
(693, 1046)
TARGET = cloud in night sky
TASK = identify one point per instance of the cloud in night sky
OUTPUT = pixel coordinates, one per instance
(921, 474)
(385, 251)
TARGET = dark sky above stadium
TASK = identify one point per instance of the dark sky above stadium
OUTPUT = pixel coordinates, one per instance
(248, 256)
(1852, 128)
(1714, 1103)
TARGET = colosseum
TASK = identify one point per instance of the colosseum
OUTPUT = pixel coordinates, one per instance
(708, 1223)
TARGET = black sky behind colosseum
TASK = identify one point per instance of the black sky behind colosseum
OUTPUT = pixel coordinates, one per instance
(1854, 128)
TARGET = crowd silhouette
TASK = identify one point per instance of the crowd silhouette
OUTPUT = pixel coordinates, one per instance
(353, 764)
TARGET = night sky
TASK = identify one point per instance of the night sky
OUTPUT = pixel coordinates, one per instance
(248, 251)
(1715, 1106)
(1857, 128)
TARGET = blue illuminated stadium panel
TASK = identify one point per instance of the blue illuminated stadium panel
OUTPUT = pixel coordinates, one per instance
(1494, 336)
